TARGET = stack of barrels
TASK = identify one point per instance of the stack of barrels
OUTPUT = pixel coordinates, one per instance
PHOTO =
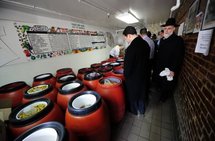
(69, 107)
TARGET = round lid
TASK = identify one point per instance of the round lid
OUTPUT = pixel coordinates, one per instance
(66, 78)
(44, 76)
(92, 76)
(12, 87)
(84, 103)
(71, 87)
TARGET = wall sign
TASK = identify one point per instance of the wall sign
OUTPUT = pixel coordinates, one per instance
(40, 41)
(209, 19)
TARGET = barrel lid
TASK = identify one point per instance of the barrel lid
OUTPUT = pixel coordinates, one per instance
(46, 131)
(38, 91)
(12, 87)
(30, 112)
(84, 103)
(71, 87)
(92, 76)
(43, 76)
(66, 78)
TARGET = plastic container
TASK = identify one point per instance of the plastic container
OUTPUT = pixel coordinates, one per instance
(48, 131)
(106, 70)
(64, 79)
(13, 92)
(64, 71)
(67, 91)
(115, 65)
(40, 91)
(119, 73)
(33, 113)
(46, 78)
(91, 80)
(87, 117)
(111, 90)
(82, 72)
(96, 66)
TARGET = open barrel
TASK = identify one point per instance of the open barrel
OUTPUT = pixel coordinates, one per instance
(64, 79)
(67, 91)
(48, 131)
(91, 79)
(82, 72)
(111, 90)
(46, 78)
(33, 113)
(40, 91)
(64, 71)
(87, 117)
(13, 92)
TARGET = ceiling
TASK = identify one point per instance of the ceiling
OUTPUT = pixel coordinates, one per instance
(96, 12)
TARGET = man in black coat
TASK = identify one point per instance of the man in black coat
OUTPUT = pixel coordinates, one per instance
(135, 70)
(170, 56)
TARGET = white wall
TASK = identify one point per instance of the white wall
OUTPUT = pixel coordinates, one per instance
(26, 71)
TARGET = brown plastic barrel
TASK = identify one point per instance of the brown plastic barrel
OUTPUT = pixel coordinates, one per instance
(13, 92)
(87, 117)
(96, 66)
(115, 65)
(64, 79)
(40, 91)
(24, 117)
(48, 131)
(106, 70)
(82, 72)
(91, 79)
(46, 78)
(64, 71)
(119, 73)
(67, 91)
(111, 90)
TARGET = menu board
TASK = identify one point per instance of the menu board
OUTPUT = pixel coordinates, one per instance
(40, 41)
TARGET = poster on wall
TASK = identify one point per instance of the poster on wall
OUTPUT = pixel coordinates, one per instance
(190, 24)
(40, 41)
(198, 22)
(209, 19)
(203, 42)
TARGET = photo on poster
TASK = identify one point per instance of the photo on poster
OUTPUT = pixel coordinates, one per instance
(209, 19)
(190, 24)
(198, 22)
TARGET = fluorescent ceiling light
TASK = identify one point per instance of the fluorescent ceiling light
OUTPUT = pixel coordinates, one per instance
(127, 17)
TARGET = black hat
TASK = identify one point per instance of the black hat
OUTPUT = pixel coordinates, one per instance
(170, 21)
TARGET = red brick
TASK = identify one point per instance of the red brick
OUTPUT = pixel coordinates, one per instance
(213, 102)
(212, 136)
(211, 77)
(210, 108)
(206, 124)
(211, 120)
(207, 93)
(206, 136)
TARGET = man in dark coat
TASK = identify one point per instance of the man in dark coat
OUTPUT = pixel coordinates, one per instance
(135, 70)
(170, 56)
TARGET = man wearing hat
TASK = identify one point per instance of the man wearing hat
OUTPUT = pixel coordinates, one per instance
(168, 60)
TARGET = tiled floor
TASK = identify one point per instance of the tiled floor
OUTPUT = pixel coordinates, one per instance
(155, 125)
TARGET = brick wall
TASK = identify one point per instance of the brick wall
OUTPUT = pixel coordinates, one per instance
(195, 96)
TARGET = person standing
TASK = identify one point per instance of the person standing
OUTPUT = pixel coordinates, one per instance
(143, 34)
(116, 51)
(169, 59)
(135, 70)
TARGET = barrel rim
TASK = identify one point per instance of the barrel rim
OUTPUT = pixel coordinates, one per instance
(88, 110)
